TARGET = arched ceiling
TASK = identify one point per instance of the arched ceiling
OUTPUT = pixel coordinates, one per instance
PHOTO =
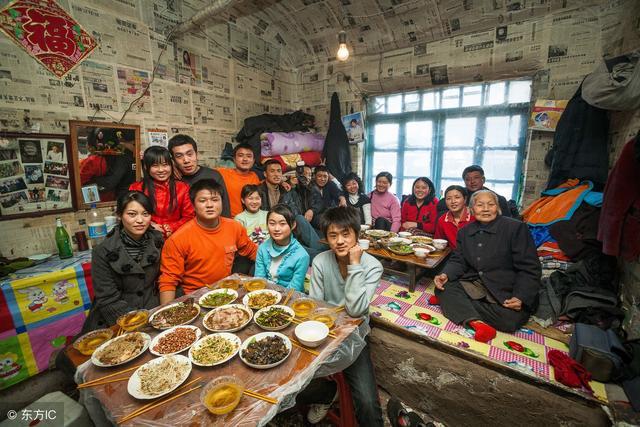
(306, 30)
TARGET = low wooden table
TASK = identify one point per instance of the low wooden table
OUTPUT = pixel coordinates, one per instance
(412, 262)
(281, 382)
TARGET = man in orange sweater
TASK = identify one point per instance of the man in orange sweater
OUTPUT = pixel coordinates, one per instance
(202, 251)
(241, 175)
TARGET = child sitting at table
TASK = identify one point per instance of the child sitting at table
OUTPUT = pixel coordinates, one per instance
(346, 275)
(282, 259)
(252, 217)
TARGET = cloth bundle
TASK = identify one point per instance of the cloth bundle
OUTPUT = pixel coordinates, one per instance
(280, 143)
(289, 161)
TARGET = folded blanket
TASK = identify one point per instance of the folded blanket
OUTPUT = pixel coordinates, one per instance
(279, 143)
(289, 161)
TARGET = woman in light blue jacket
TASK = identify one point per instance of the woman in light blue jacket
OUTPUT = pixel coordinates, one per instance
(282, 259)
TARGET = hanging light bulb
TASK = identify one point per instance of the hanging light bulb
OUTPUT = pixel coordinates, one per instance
(343, 52)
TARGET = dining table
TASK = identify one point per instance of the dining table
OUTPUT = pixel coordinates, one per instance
(110, 402)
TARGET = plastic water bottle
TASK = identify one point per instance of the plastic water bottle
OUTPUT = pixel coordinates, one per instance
(97, 227)
(63, 242)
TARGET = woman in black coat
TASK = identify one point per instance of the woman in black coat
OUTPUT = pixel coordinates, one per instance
(493, 277)
(124, 267)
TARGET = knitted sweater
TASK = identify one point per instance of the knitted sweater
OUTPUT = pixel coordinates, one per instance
(386, 205)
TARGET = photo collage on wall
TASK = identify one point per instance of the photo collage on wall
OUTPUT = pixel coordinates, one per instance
(34, 175)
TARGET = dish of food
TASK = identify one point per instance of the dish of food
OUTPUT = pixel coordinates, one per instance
(274, 318)
(229, 284)
(221, 395)
(133, 320)
(175, 340)
(421, 239)
(227, 318)
(400, 249)
(377, 233)
(121, 349)
(214, 349)
(255, 284)
(265, 350)
(218, 297)
(260, 299)
(159, 376)
(89, 342)
(180, 313)
(303, 307)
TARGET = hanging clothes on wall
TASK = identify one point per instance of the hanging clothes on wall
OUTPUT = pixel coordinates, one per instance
(337, 153)
(580, 148)
(619, 225)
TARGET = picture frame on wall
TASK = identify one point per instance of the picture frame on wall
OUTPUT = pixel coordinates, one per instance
(35, 177)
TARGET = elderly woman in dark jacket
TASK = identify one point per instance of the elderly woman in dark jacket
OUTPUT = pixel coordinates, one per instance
(126, 265)
(493, 278)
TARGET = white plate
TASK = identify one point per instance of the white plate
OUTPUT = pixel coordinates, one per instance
(218, 291)
(133, 387)
(260, 336)
(156, 340)
(166, 308)
(94, 356)
(203, 340)
(377, 233)
(277, 328)
(39, 258)
(277, 294)
(215, 310)
(402, 240)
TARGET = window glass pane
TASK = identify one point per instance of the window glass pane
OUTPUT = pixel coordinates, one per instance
(418, 134)
(497, 131)
(460, 132)
(446, 182)
(496, 93)
(499, 164)
(503, 189)
(450, 98)
(417, 163)
(431, 101)
(378, 104)
(407, 183)
(454, 162)
(514, 131)
(472, 96)
(386, 135)
(383, 161)
(520, 91)
(411, 102)
(394, 104)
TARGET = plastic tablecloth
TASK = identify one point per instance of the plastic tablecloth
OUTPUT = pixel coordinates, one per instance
(283, 382)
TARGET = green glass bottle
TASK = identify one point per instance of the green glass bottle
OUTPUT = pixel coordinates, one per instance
(63, 241)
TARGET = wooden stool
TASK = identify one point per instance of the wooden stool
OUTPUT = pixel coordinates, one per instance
(345, 414)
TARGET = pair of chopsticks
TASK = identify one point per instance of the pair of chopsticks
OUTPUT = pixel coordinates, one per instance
(300, 346)
(259, 396)
(289, 295)
(101, 380)
(156, 403)
(120, 332)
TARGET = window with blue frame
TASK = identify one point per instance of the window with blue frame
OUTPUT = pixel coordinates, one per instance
(438, 132)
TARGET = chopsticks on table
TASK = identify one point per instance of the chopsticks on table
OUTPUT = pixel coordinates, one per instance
(100, 380)
(286, 300)
(257, 395)
(300, 346)
(338, 309)
(97, 383)
(120, 332)
(154, 404)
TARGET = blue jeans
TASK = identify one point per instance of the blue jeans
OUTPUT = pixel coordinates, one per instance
(362, 382)
(308, 237)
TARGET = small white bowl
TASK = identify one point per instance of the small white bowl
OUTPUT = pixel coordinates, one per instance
(364, 243)
(311, 333)
(440, 244)
(404, 234)
(364, 227)
(421, 252)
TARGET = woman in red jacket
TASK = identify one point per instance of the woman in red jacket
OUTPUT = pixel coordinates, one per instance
(456, 217)
(170, 198)
(419, 210)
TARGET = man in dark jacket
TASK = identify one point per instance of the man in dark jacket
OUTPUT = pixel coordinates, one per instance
(184, 152)
(329, 191)
(474, 180)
